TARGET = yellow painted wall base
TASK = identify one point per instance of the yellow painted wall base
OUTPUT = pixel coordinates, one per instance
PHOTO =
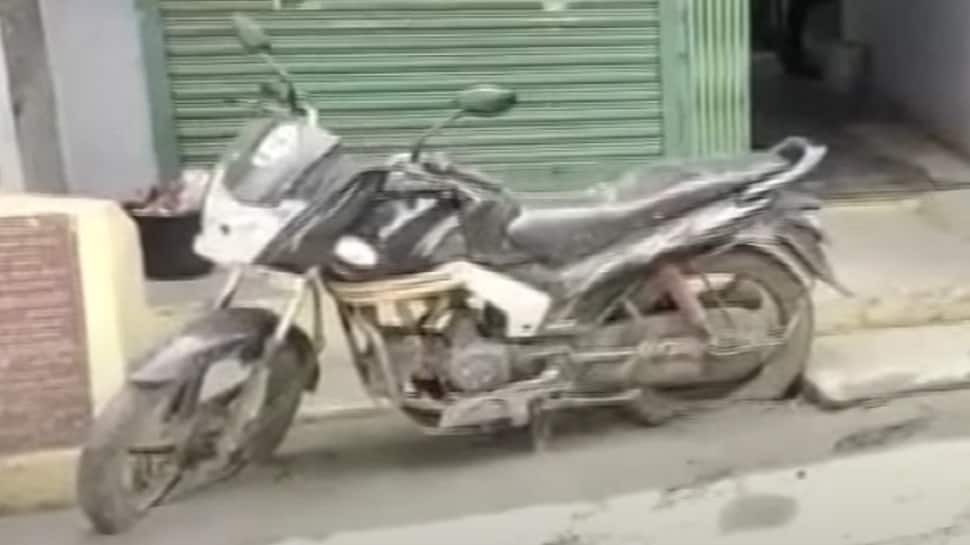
(115, 307)
(117, 320)
(35, 481)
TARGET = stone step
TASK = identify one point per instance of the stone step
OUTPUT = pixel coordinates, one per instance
(883, 363)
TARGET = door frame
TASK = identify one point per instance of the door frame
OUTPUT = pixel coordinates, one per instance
(11, 163)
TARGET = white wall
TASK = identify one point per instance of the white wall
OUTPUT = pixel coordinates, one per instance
(102, 96)
(920, 58)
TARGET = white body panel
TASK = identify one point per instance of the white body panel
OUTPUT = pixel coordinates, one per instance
(525, 307)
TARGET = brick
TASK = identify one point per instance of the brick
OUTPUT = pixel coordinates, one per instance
(44, 392)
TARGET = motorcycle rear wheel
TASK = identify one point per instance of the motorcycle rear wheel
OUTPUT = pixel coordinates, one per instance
(782, 370)
(110, 492)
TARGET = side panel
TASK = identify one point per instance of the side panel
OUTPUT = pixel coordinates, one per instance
(708, 226)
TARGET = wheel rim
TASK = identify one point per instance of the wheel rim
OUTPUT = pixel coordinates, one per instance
(151, 469)
(757, 315)
(734, 302)
(171, 445)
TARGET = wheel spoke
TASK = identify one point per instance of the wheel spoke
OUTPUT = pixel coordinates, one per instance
(722, 306)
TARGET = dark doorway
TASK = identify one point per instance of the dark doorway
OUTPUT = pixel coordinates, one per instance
(874, 150)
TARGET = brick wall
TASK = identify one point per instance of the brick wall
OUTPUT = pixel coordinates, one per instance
(44, 392)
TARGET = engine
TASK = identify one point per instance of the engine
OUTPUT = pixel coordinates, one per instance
(458, 359)
(474, 363)
(437, 343)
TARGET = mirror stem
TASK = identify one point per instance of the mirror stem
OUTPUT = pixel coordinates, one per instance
(284, 74)
(416, 148)
(280, 70)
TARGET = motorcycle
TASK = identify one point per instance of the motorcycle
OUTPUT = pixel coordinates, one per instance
(470, 307)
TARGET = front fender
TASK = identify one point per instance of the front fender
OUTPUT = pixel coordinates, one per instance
(204, 340)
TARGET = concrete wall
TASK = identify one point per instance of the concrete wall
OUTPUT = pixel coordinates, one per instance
(11, 167)
(101, 94)
(32, 96)
(920, 59)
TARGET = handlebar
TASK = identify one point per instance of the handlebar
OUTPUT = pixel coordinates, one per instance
(437, 170)
(261, 105)
(270, 107)
(474, 177)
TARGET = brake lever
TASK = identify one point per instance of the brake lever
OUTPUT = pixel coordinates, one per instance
(440, 165)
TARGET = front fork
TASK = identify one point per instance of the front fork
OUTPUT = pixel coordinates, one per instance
(253, 394)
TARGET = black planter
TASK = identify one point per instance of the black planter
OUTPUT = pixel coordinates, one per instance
(166, 243)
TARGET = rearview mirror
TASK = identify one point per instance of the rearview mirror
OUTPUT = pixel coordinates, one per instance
(486, 100)
(252, 36)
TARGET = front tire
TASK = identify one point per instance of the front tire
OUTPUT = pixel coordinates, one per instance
(104, 495)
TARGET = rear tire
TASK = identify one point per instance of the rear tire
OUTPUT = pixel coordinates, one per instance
(782, 370)
(102, 470)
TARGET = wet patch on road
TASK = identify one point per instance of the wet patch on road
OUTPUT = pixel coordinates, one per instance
(692, 490)
(757, 512)
(881, 436)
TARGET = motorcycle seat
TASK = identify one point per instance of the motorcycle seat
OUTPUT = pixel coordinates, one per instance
(558, 227)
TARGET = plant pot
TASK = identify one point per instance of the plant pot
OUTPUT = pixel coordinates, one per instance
(166, 242)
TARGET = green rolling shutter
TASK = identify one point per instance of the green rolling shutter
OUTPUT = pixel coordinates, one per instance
(706, 74)
(718, 70)
(588, 75)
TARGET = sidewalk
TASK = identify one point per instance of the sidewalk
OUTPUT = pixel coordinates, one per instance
(907, 262)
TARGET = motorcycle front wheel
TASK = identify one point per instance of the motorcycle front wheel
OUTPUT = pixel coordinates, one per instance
(137, 451)
(755, 281)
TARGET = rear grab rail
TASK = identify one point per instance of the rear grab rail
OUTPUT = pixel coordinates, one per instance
(810, 155)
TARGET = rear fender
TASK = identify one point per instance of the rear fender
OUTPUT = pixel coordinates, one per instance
(201, 343)
(796, 242)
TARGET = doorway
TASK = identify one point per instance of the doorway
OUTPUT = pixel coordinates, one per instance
(875, 149)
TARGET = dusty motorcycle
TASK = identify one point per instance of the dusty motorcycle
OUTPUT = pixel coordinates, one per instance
(468, 306)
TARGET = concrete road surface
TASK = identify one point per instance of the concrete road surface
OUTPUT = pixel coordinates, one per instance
(372, 474)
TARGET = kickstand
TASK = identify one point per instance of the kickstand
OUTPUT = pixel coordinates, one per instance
(540, 428)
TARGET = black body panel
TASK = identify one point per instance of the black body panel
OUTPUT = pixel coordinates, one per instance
(561, 228)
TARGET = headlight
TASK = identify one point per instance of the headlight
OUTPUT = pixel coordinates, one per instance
(277, 145)
(356, 252)
(237, 233)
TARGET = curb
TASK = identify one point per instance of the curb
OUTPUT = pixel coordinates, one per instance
(840, 316)
(37, 481)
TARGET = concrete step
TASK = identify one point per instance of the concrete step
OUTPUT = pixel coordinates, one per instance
(905, 262)
(880, 364)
